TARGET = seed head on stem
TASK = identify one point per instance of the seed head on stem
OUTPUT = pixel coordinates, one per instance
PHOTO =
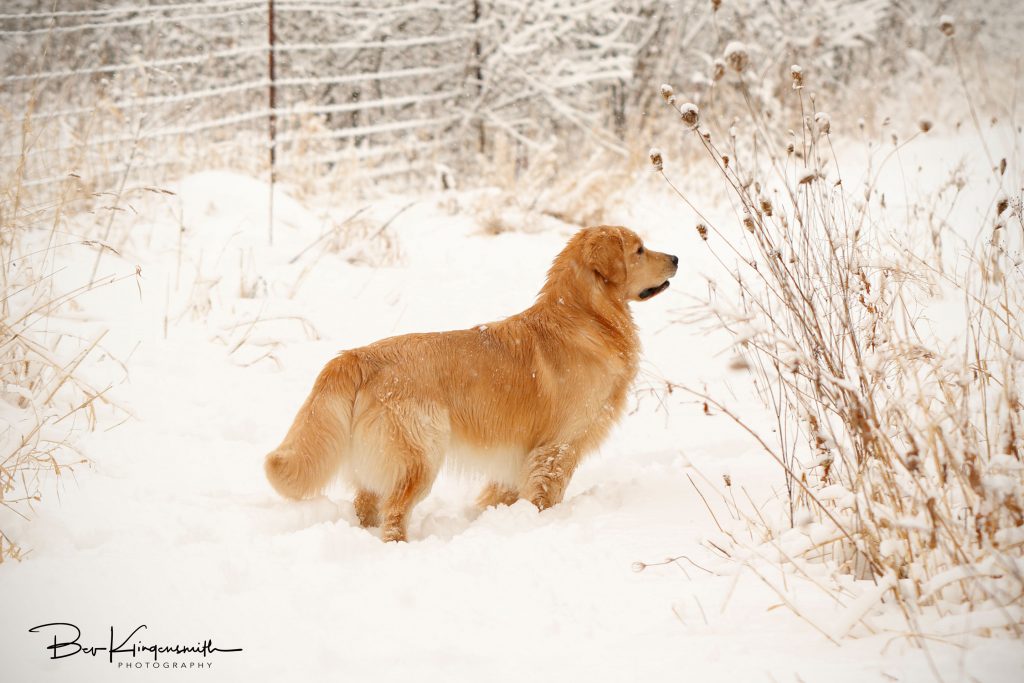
(748, 222)
(656, 159)
(798, 76)
(824, 122)
(690, 114)
(947, 25)
(737, 56)
(718, 70)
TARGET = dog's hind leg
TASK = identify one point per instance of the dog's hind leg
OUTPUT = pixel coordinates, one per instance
(412, 487)
(495, 494)
(366, 503)
(549, 469)
(414, 451)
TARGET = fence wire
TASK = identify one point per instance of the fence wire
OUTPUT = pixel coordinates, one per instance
(358, 90)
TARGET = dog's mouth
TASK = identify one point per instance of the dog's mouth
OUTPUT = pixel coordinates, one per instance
(653, 291)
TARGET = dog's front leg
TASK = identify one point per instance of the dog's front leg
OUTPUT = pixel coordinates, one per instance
(549, 470)
(366, 504)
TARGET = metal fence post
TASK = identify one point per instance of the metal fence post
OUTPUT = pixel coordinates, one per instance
(273, 117)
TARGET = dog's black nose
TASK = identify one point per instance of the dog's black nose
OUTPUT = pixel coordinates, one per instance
(675, 259)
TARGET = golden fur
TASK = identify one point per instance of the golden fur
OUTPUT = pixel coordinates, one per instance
(522, 400)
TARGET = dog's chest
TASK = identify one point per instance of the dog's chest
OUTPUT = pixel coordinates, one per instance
(594, 388)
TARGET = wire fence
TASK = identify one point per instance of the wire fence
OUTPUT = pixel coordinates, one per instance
(299, 90)
(131, 93)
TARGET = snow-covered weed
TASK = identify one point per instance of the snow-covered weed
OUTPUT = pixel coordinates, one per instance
(366, 241)
(575, 191)
(45, 397)
(902, 450)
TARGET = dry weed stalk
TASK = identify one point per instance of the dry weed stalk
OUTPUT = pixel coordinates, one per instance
(910, 466)
(44, 399)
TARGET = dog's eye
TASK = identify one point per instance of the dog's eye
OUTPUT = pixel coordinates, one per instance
(639, 250)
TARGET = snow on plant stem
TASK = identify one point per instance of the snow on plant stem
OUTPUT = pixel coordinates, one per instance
(910, 458)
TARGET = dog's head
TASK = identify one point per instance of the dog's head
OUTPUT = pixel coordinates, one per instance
(617, 257)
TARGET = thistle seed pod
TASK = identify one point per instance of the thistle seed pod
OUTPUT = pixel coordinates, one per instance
(690, 114)
(737, 56)
(798, 76)
(947, 25)
(666, 91)
(702, 230)
(925, 125)
(718, 70)
(656, 160)
(824, 122)
(766, 206)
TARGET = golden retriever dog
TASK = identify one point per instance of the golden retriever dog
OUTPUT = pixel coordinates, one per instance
(522, 400)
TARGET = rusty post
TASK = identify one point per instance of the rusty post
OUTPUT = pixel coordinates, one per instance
(478, 72)
(273, 116)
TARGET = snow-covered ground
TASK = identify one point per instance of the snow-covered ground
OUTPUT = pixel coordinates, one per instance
(174, 526)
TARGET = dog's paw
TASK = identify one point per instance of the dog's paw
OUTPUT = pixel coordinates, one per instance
(542, 501)
(392, 535)
(367, 519)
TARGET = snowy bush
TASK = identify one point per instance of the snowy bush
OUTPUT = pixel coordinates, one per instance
(902, 450)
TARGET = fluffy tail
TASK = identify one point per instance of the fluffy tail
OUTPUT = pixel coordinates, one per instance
(309, 456)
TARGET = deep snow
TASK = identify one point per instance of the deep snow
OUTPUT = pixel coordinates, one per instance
(174, 526)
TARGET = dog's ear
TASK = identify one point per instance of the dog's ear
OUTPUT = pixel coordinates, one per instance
(604, 252)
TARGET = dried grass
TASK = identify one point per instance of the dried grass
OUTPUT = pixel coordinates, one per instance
(45, 400)
(576, 191)
(902, 453)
